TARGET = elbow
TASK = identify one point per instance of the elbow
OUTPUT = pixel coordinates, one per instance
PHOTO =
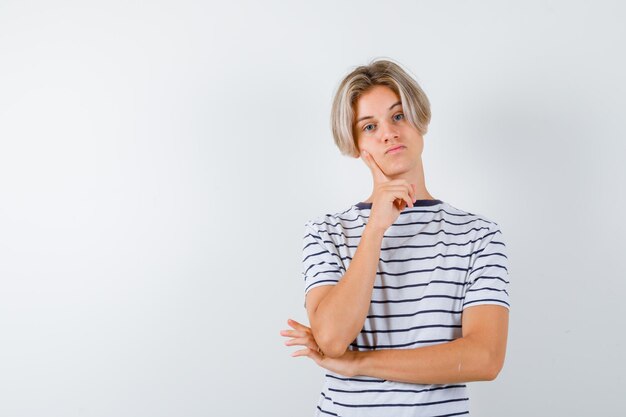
(491, 373)
(493, 367)
(331, 347)
(335, 351)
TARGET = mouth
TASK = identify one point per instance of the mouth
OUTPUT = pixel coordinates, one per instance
(395, 149)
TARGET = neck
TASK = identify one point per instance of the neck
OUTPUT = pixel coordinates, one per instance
(414, 176)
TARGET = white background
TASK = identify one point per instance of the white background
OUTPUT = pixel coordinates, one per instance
(158, 161)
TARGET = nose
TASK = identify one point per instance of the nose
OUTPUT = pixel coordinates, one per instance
(388, 132)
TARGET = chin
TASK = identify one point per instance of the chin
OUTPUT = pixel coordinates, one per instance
(398, 169)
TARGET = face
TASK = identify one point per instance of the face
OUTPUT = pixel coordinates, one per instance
(381, 126)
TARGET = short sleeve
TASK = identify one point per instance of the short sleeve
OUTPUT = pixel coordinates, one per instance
(488, 281)
(321, 264)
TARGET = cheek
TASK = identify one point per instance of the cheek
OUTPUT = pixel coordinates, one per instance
(364, 145)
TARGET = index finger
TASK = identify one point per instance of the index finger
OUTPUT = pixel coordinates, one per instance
(297, 325)
(377, 173)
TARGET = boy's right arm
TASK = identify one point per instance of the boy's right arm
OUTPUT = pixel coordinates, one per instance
(337, 312)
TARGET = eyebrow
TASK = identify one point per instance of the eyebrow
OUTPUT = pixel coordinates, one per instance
(369, 117)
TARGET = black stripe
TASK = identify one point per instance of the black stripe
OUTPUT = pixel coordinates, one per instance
(317, 282)
(408, 246)
(326, 412)
(434, 233)
(343, 258)
(315, 242)
(400, 345)
(380, 287)
(384, 316)
(485, 266)
(323, 272)
(360, 216)
(491, 254)
(362, 391)
(341, 268)
(424, 284)
(409, 210)
(427, 326)
(399, 236)
(410, 300)
(439, 242)
(392, 274)
(488, 288)
(450, 415)
(401, 404)
(337, 246)
(354, 379)
(324, 395)
(450, 255)
(319, 253)
(441, 220)
(490, 277)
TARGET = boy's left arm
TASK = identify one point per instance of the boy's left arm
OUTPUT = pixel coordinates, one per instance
(477, 356)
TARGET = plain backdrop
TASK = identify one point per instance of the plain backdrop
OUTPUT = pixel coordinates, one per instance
(158, 161)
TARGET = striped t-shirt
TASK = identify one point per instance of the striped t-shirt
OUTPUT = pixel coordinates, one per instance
(435, 260)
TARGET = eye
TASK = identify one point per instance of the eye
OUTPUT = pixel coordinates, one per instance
(365, 128)
(399, 114)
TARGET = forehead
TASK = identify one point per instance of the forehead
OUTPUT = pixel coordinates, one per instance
(376, 100)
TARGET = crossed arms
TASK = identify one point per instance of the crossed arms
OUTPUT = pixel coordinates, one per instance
(478, 355)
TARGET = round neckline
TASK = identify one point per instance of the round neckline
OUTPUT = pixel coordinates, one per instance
(416, 203)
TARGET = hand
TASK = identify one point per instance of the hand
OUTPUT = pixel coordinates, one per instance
(302, 335)
(389, 198)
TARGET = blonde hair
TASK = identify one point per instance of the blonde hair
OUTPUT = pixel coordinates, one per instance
(415, 104)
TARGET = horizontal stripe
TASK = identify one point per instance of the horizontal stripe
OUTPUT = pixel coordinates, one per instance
(406, 212)
(451, 415)
(326, 252)
(423, 284)
(438, 415)
(354, 379)
(387, 248)
(382, 287)
(484, 255)
(326, 412)
(427, 326)
(338, 269)
(325, 281)
(399, 390)
(487, 266)
(488, 289)
(323, 252)
(410, 300)
(401, 345)
(403, 405)
(414, 314)
(482, 277)
(387, 236)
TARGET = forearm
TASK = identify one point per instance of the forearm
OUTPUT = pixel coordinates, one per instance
(339, 317)
(462, 360)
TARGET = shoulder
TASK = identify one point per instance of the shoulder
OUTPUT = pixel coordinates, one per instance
(485, 226)
(333, 222)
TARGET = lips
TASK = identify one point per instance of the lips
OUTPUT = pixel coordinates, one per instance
(394, 148)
